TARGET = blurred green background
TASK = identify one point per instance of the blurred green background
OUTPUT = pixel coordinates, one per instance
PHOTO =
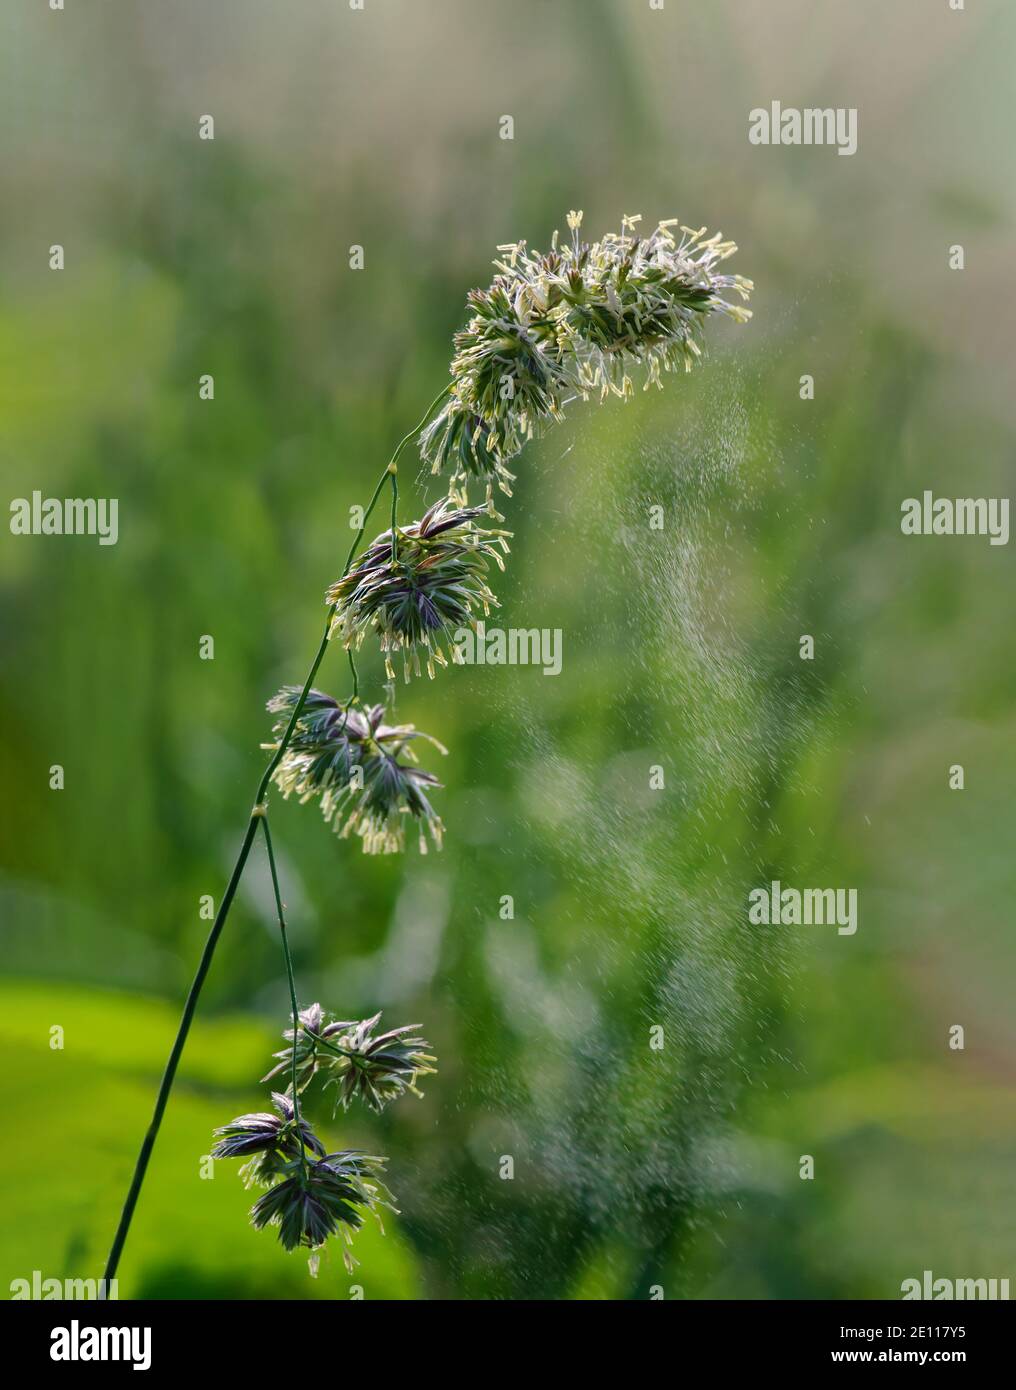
(634, 1168)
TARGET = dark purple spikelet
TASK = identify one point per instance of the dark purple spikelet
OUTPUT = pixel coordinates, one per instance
(433, 588)
(362, 1064)
(363, 770)
(269, 1141)
(325, 1197)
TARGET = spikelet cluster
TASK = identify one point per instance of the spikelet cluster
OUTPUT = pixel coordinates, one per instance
(311, 1194)
(358, 1061)
(583, 318)
(361, 770)
(416, 591)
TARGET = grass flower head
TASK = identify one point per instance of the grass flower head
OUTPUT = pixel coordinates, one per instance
(373, 1067)
(418, 589)
(579, 319)
(362, 769)
(270, 1142)
(325, 1197)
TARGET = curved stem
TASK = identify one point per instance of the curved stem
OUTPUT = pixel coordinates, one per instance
(165, 1086)
(292, 986)
(257, 813)
(395, 515)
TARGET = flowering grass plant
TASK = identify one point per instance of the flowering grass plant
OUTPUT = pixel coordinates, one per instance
(583, 319)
